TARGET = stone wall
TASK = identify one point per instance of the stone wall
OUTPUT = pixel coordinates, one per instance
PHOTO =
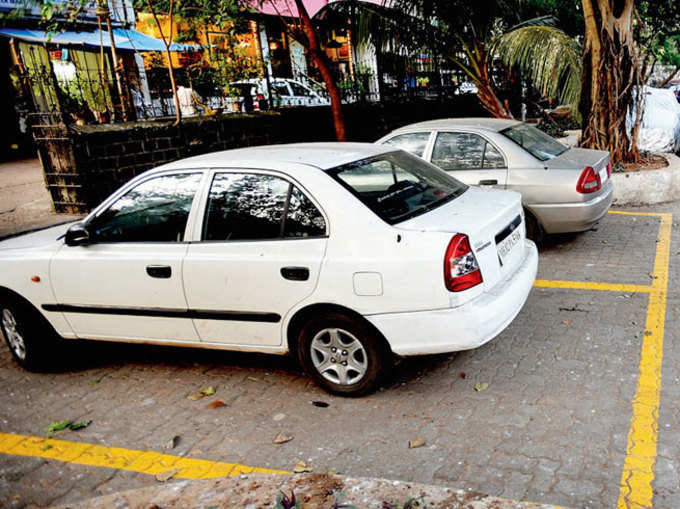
(103, 157)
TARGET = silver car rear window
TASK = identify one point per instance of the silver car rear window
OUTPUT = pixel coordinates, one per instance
(534, 141)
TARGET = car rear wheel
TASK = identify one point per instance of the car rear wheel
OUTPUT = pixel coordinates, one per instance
(343, 355)
(31, 340)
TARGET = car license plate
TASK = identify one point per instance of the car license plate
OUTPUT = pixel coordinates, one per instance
(508, 243)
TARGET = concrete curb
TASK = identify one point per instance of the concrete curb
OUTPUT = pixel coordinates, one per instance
(648, 187)
(256, 491)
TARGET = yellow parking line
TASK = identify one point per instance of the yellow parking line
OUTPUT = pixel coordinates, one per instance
(638, 470)
(588, 285)
(145, 462)
(629, 213)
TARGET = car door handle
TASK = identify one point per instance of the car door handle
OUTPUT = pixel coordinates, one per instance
(159, 271)
(491, 182)
(295, 273)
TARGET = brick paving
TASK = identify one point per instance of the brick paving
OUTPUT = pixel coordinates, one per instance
(551, 427)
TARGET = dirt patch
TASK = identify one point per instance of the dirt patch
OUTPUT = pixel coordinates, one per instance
(650, 162)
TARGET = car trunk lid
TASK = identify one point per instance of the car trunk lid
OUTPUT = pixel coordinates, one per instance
(492, 220)
(578, 159)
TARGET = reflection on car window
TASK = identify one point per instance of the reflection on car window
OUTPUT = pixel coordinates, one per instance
(280, 88)
(303, 218)
(298, 89)
(492, 157)
(460, 151)
(534, 141)
(398, 185)
(154, 211)
(412, 142)
(248, 206)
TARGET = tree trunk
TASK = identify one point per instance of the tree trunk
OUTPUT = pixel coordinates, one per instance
(320, 60)
(485, 89)
(670, 77)
(478, 71)
(166, 42)
(611, 78)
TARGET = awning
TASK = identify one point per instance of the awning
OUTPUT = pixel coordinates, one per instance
(125, 39)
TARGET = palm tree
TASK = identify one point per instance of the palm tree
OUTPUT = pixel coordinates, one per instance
(549, 57)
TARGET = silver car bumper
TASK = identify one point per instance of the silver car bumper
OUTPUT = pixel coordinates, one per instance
(574, 217)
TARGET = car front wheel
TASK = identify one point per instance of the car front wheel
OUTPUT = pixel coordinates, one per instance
(30, 339)
(343, 355)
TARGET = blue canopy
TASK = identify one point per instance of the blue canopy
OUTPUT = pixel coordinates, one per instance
(124, 38)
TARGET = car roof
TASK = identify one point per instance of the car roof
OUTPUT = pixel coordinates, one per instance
(488, 124)
(321, 155)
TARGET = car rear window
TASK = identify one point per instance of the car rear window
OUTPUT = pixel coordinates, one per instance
(534, 141)
(398, 186)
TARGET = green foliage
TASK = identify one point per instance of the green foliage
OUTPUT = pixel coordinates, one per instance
(549, 57)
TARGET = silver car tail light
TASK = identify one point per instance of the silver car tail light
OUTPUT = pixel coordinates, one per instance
(589, 181)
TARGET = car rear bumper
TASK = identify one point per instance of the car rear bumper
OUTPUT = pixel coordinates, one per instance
(464, 327)
(574, 217)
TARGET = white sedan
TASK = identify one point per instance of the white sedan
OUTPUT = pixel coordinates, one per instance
(342, 254)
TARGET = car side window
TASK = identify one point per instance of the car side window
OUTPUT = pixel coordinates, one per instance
(493, 158)
(460, 151)
(298, 89)
(413, 142)
(154, 211)
(249, 206)
(280, 88)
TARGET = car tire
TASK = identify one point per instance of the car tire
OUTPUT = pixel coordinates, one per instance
(30, 338)
(535, 231)
(343, 355)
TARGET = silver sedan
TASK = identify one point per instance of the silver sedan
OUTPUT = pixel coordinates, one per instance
(563, 189)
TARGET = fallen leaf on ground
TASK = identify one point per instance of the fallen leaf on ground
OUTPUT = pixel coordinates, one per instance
(418, 442)
(217, 404)
(302, 467)
(47, 447)
(168, 474)
(80, 425)
(320, 404)
(95, 382)
(279, 417)
(566, 322)
(57, 426)
(173, 442)
(282, 438)
(462, 374)
(208, 391)
(481, 386)
(195, 396)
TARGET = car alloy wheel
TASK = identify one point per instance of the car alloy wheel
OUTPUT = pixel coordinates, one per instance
(339, 356)
(14, 337)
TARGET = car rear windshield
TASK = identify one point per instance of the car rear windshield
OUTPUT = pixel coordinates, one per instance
(398, 186)
(534, 141)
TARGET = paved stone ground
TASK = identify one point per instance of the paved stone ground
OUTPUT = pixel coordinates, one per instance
(551, 427)
(24, 201)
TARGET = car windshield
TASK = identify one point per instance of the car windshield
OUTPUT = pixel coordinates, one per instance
(398, 186)
(535, 141)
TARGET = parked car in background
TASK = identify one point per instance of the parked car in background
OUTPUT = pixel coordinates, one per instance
(343, 254)
(285, 92)
(563, 189)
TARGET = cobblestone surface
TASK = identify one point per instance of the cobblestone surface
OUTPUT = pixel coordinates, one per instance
(551, 427)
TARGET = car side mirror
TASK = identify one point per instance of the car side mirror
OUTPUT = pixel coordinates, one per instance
(77, 235)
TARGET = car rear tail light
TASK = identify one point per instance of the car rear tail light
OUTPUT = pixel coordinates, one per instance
(609, 169)
(461, 270)
(589, 181)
